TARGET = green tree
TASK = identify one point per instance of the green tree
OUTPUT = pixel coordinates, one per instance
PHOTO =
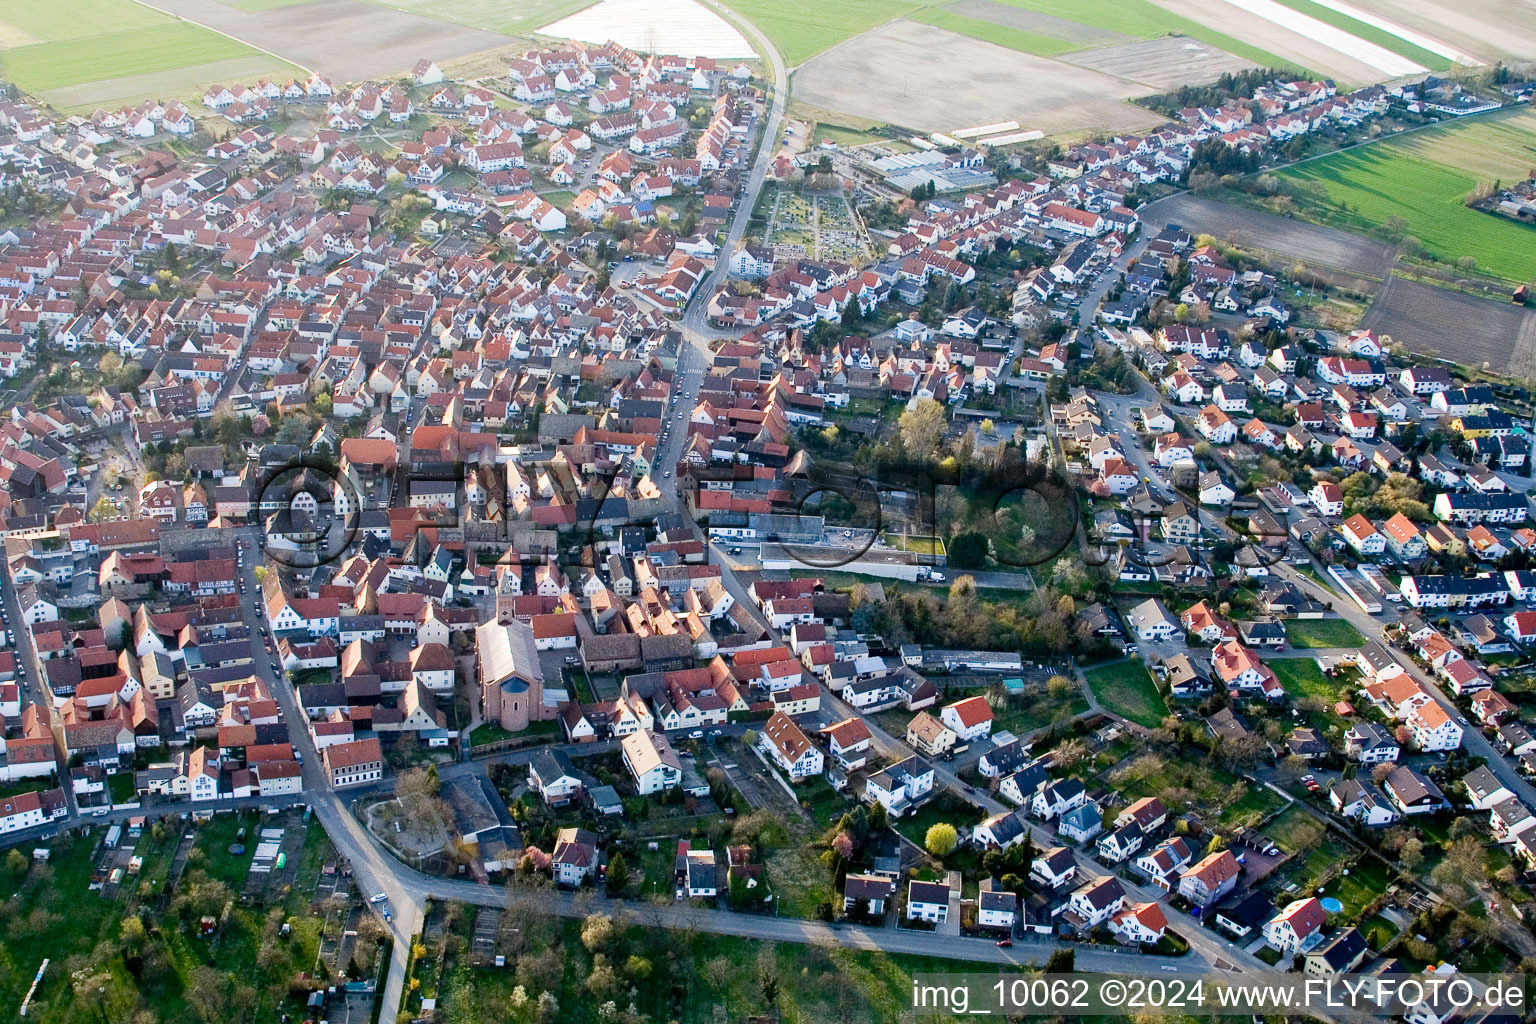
(1062, 961)
(618, 873)
(941, 839)
(968, 550)
(922, 428)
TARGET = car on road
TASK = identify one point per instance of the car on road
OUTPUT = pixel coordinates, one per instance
(1004, 943)
(378, 897)
(735, 551)
(697, 734)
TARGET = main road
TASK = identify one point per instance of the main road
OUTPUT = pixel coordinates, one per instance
(695, 318)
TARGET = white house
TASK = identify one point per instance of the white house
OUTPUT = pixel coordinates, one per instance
(782, 740)
(651, 761)
(928, 901)
(1297, 928)
(970, 719)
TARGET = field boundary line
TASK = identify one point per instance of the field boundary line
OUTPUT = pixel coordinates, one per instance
(226, 35)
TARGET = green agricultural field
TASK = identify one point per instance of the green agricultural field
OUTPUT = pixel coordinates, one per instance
(1002, 35)
(1310, 633)
(801, 30)
(1145, 20)
(1127, 688)
(493, 15)
(95, 58)
(1497, 146)
(1365, 186)
(1371, 34)
(27, 22)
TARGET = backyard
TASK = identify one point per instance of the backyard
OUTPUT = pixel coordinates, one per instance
(1303, 680)
(1311, 633)
(1180, 784)
(1126, 688)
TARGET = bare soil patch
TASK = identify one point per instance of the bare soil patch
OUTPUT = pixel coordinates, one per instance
(1292, 239)
(1485, 29)
(1164, 64)
(1034, 21)
(348, 40)
(1456, 326)
(934, 80)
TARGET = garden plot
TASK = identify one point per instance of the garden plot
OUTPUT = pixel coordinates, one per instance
(927, 74)
(1165, 64)
(656, 26)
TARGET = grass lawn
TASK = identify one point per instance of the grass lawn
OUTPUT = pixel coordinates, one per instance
(1296, 831)
(1252, 807)
(801, 882)
(1307, 633)
(1367, 879)
(1002, 35)
(1302, 678)
(94, 58)
(1020, 715)
(1379, 932)
(490, 732)
(845, 137)
(920, 545)
(1127, 688)
(487, 732)
(1367, 185)
(801, 29)
(121, 787)
(1370, 33)
(822, 802)
(214, 839)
